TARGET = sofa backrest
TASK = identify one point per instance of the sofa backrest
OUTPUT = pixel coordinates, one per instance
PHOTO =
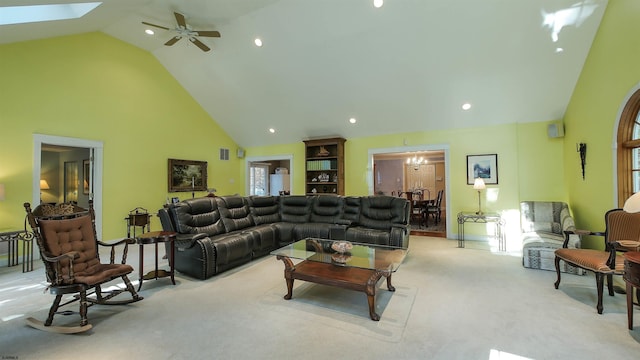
(295, 208)
(381, 212)
(235, 213)
(352, 209)
(264, 209)
(545, 216)
(199, 215)
(327, 209)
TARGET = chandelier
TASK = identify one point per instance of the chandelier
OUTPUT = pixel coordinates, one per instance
(416, 162)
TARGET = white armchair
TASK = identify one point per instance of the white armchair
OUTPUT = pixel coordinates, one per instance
(543, 224)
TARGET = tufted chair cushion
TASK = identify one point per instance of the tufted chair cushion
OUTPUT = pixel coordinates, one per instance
(199, 215)
(76, 235)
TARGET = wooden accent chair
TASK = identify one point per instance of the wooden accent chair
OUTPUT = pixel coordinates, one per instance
(435, 209)
(68, 244)
(622, 233)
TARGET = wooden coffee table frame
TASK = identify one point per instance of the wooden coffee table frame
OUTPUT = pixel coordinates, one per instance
(352, 278)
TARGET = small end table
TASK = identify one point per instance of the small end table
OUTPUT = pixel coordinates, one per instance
(155, 237)
(632, 278)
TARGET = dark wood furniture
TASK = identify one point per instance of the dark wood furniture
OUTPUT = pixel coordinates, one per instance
(324, 172)
(360, 269)
(620, 226)
(138, 218)
(68, 243)
(156, 237)
(632, 278)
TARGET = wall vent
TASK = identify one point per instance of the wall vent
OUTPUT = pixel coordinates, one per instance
(224, 154)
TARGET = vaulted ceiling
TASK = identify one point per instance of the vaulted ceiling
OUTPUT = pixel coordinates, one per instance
(407, 66)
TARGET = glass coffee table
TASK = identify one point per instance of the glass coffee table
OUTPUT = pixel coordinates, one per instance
(342, 264)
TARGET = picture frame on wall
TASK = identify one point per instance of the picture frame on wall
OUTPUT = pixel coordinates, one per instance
(483, 166)
(187, 175)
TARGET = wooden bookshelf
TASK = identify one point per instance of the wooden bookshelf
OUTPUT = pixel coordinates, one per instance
(324, 166)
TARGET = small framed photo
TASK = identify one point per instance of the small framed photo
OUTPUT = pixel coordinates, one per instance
(175, 200)
(187, 175)
(482, 166)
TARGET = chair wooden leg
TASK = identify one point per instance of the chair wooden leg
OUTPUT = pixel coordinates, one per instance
(130, 288)
(600, 286)
(83, 308)
(53, 309)
(557, 262)
(610, 284)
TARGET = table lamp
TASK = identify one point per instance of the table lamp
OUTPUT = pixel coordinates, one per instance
(632, 205)
(479, 185)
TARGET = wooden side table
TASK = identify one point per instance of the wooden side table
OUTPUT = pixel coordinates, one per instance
(156, 237)
(632, 278)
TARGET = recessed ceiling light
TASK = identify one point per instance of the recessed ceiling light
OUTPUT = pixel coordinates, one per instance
(466, 106)
(149, 32)
(258, 42)
(559, 50)
(378, 3)
(353, 120)
(272, 130)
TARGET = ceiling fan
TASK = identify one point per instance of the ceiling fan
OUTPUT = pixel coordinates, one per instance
(185, 31)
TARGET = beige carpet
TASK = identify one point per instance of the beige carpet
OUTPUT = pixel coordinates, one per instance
(345, 310)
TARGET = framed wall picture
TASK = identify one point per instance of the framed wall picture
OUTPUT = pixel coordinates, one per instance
(187, 175)
(482, 166)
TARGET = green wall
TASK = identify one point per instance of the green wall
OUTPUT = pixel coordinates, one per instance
(94, 87)
(609, 74)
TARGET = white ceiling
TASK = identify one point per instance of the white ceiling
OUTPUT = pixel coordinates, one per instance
(407, 66)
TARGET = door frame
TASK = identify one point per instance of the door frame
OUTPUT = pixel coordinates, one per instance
(425, 147)
(250, 159)
(96, 147)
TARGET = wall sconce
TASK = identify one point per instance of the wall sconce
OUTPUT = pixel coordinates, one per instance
(479, 185)
(582, 149)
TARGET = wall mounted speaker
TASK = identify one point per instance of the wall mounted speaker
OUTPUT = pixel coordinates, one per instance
(555, 129)
(240, 153)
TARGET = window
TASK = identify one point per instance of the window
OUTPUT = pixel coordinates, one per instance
(629, 149)
(258, 179)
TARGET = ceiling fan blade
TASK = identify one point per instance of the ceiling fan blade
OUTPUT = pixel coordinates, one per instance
(180, 19)
(199, 44)
(173, 40)
(158, 26)
(208, 33)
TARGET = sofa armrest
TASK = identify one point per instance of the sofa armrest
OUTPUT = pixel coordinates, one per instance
(185, 241)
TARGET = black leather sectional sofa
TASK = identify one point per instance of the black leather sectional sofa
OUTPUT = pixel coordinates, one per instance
(218, 233)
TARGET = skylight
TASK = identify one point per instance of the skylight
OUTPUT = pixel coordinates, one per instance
(36, 13)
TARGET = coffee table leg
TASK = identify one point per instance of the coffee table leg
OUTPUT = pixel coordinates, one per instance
(288, 269)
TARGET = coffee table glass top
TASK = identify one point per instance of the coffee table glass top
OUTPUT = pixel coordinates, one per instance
(366, 256)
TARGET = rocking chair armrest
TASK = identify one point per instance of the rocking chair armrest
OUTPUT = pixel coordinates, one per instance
(54, 259)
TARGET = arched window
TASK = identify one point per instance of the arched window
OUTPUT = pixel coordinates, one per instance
(629, 149)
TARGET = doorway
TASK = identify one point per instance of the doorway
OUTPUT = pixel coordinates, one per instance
(421, 172)
(269, 175)
(86, 155)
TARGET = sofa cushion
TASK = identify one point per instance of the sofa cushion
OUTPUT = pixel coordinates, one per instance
(199, 215)
(327, 209)
(381, 212)
(352, 209)
(235, 213)
(295, 208)
(264, 209)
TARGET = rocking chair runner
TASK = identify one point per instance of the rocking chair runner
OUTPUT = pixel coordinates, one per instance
(68, 246)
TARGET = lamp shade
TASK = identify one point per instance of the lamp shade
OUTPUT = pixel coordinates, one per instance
(478, 184)
(632, 205)
(44, 185)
